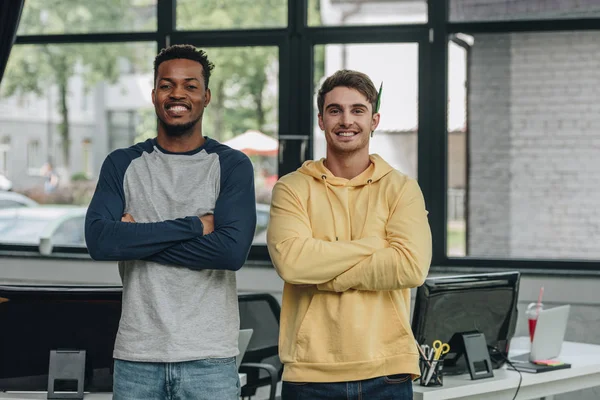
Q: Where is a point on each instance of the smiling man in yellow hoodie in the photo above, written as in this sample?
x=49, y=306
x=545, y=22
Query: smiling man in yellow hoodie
x=349, y=235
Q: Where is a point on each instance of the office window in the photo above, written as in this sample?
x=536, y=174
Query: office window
x=231, y=14
x=532, y=140
x=360, y=12
x=512, y=10
x=396, y=65
x=51, y=130
x=457, y=145
x=243, y=113
x=43, y=17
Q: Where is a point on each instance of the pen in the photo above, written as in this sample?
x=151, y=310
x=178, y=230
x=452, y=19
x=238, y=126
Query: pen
x=425, y=358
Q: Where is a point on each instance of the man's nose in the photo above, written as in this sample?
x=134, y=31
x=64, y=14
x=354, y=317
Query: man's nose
x=346, y=119
x=176, y=93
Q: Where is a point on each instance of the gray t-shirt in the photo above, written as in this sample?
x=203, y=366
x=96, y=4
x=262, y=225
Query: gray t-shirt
x=179, y=287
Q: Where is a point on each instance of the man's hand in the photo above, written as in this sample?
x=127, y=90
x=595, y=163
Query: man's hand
x=208, y=221
x=127, y=218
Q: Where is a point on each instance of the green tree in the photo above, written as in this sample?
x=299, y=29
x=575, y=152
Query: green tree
x=36, y=68
x=314, y=19
x=244, y=83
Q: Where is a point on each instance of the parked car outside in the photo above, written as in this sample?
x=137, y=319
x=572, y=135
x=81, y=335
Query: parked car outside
x=5, y=183
x=15, y=200
x=49, y=226
x=44, y=226
x=262, y=220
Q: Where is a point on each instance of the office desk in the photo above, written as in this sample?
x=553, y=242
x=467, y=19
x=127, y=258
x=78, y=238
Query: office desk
x=86, y=396
x=584, y=373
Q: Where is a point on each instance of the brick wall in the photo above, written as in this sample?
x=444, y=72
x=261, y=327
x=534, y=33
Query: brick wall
x=496, y=10
x=490, y=147
x=535, y=141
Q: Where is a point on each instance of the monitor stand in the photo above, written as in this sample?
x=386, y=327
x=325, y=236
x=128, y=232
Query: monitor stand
x=67, y=367
x=476, y=355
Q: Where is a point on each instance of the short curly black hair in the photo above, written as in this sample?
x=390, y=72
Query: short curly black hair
x=186, y=51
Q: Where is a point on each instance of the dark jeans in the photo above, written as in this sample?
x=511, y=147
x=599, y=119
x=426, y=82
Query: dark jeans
x=393, y=387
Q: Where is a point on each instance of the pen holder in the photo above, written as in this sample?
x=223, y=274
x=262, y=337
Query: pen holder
x=431, y=378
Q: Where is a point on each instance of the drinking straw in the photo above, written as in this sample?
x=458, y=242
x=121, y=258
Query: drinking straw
x=539, y=302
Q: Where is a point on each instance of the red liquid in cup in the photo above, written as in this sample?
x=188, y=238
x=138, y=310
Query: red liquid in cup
x=532, y=323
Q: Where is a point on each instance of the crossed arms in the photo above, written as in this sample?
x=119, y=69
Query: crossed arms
x=400, y=260
x=184, y=241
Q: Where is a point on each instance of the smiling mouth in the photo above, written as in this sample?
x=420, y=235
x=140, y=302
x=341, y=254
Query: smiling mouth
x=176, y=109
x=346, y=133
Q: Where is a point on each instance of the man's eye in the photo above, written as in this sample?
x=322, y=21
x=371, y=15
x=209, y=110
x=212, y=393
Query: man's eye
x=192, y=87
x=334, y=111
x=164, y=86
x=359, y=111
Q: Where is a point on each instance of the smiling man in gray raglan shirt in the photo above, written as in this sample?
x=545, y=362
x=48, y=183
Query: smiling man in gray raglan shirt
x=178, y=213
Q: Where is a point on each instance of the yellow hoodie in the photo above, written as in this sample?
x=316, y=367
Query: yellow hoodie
x=348, y=251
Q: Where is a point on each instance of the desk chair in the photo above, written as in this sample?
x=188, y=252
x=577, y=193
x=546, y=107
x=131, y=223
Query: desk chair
x=261, y=364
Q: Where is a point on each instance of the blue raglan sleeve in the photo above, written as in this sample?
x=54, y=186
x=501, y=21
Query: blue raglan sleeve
x=109, y=239
x=227, y=247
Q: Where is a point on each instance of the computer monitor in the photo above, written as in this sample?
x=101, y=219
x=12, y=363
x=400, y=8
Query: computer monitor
x=479, y=302
x=37, y=319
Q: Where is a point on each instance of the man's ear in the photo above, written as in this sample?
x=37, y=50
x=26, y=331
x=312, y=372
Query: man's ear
x=321, y=125
x=375, y=121
x=208, y=97
x=153, y=97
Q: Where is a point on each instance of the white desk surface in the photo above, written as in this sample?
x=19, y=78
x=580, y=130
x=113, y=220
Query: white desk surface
x=584, y=373
x=86, y=396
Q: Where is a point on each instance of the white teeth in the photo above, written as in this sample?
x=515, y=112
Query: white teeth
x=346, y=134
x=177, y=109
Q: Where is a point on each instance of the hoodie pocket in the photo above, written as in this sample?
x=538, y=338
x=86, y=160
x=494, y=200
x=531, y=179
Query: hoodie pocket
x=303, y=335
x=354, y=326
x=400, y=314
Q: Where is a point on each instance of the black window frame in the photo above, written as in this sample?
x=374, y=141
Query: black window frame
x=438, y=220
x=296, y=44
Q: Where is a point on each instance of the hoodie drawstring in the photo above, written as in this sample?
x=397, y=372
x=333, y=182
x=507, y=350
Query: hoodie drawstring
x=324, y=178
x=362, y=232
x=369, y=182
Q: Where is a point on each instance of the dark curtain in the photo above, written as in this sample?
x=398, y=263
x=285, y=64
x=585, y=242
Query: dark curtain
x=10, y=13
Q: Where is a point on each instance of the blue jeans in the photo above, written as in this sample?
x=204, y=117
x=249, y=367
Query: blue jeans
x=393, y=387
x=209, y=379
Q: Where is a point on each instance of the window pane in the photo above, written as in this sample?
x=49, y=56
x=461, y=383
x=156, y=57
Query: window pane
x=511, y=10
x=396, y=65
x=457, y=146
x=231, y=14
x=87, y=16
x=533, y=139
x=55, y=107
x=243, y=114
x=360, y=12
x=106, y=93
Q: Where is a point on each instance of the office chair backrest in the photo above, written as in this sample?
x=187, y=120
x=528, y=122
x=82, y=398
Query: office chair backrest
x=260, y=312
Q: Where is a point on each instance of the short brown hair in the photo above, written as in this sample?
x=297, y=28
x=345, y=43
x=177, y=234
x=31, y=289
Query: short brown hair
x=350, y=79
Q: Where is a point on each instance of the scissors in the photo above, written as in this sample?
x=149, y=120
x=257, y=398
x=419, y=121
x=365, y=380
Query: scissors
x=438, y=348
